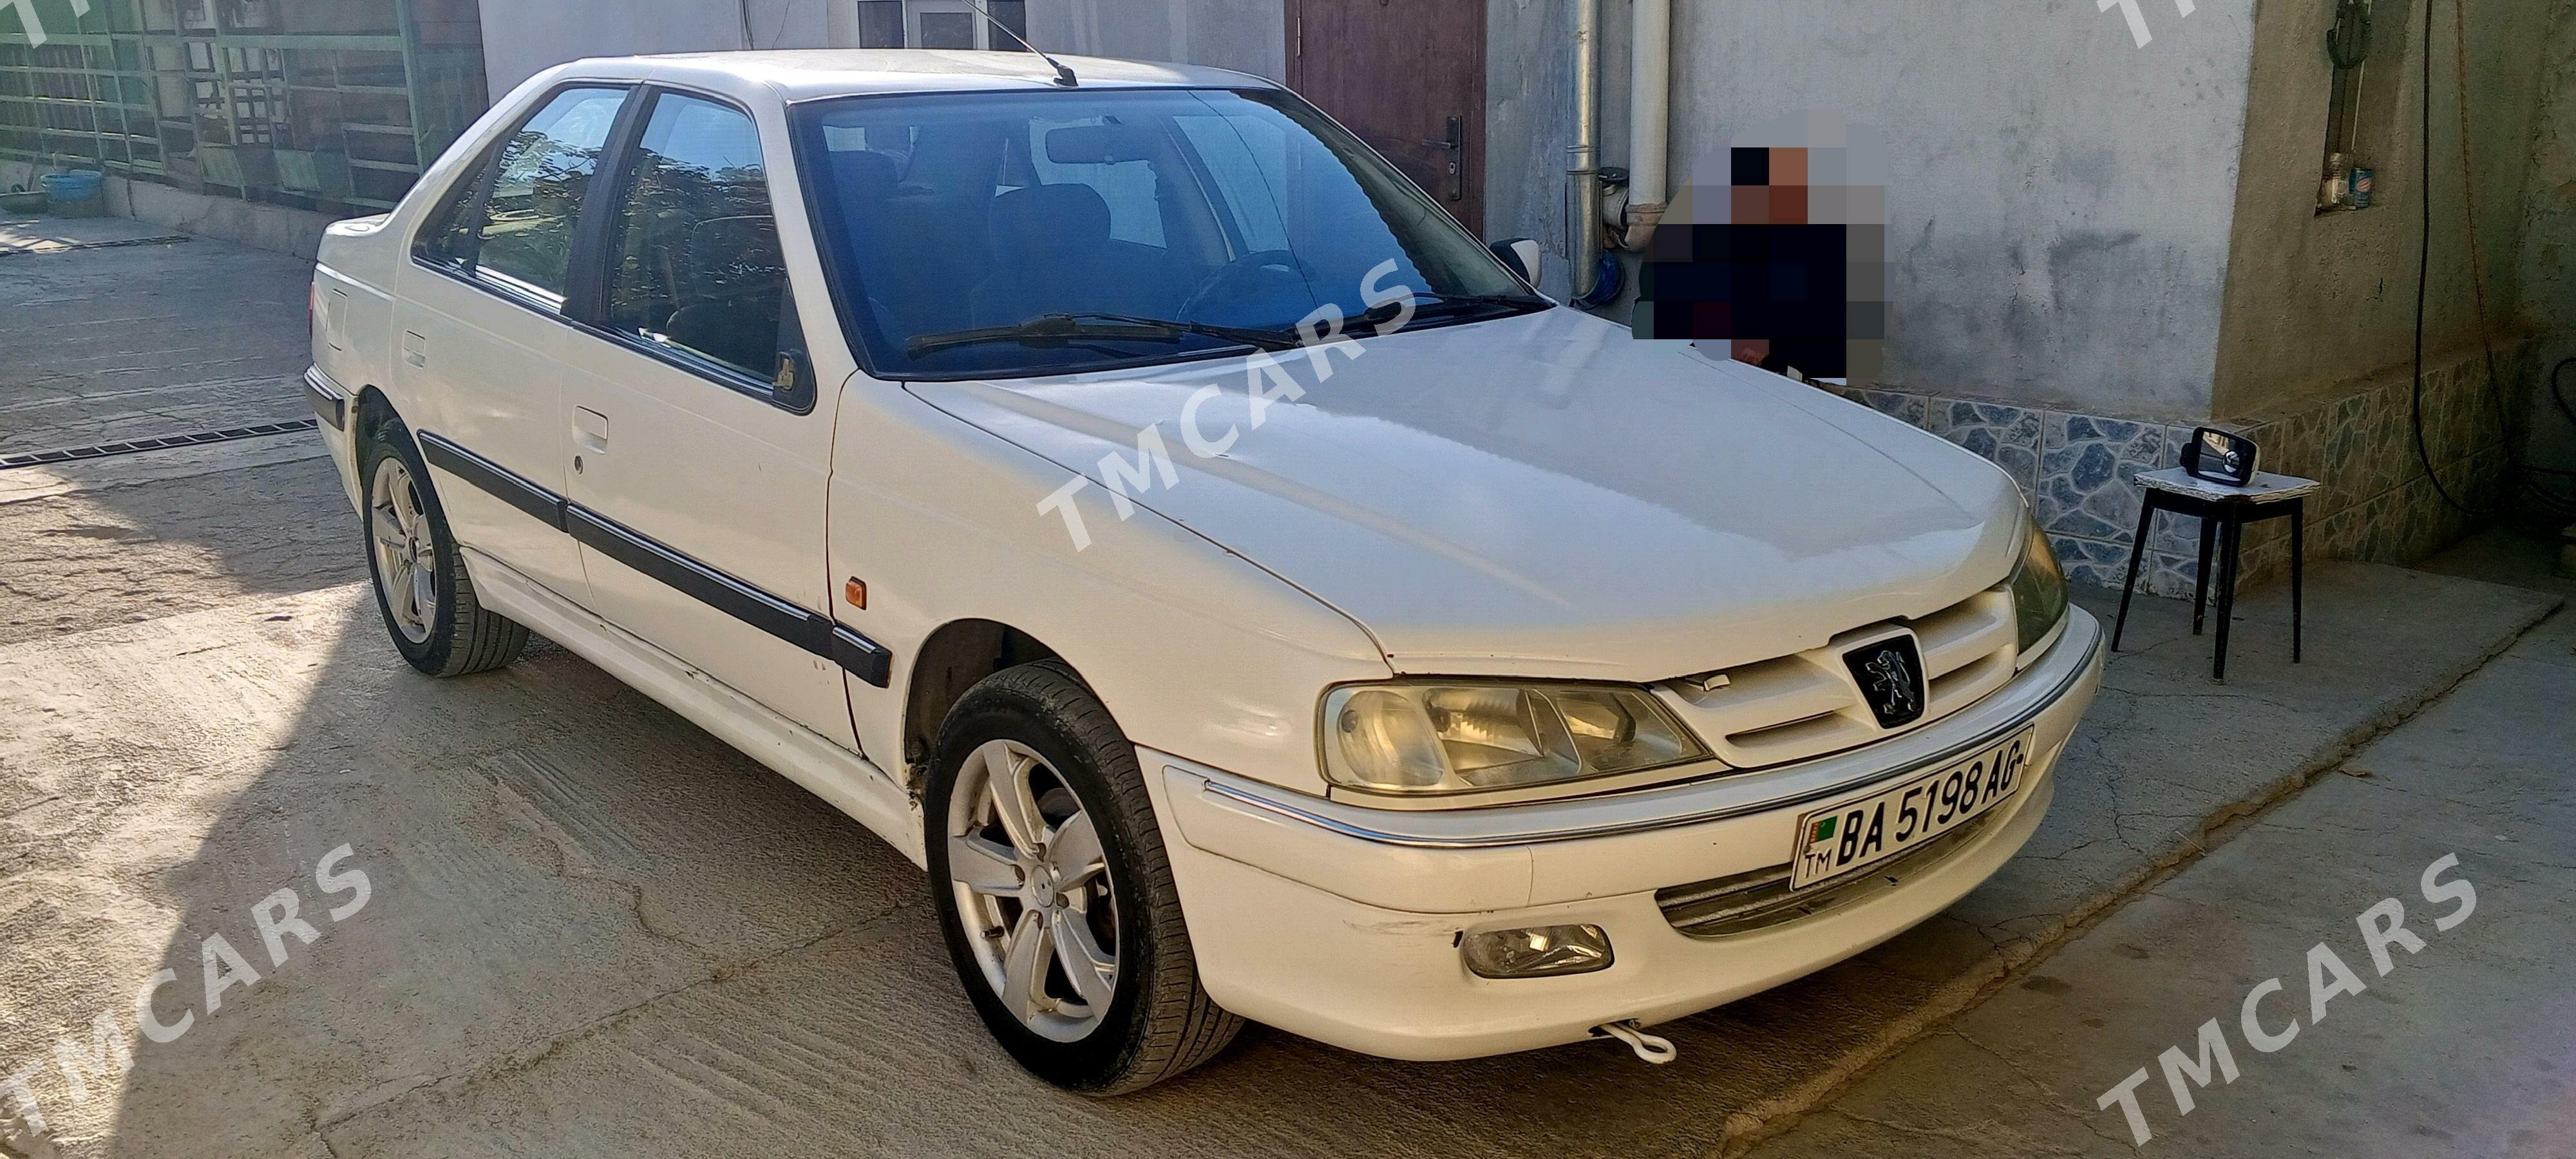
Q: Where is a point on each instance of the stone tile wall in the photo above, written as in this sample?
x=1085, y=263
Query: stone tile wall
x=2080, y=470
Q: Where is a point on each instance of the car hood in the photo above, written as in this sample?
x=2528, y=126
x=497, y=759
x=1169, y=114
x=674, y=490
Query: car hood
x=1537, y=496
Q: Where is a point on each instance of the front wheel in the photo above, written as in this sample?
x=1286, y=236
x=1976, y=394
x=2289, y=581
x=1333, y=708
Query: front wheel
x=1054, y=891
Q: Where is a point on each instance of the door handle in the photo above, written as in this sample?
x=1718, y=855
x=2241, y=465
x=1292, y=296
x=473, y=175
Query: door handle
x=590, y=430
x=1456, y=145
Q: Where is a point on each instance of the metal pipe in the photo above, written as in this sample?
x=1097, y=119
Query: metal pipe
x=1585, y=245
x=1650, y=114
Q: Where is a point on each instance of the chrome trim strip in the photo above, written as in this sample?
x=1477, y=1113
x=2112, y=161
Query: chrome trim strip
x=1780, y=906
x=1784, y=801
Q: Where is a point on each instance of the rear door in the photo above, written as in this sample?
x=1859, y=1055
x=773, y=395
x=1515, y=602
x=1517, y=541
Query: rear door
x=697, y=481
x=1409, y=79
x=479, y=325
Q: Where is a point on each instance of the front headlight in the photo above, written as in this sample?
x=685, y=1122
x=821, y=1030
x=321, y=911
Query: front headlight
x=1428, y=738
x=2038, y=591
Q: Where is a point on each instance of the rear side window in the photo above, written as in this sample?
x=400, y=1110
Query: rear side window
x=696, y=269
x=512, y=225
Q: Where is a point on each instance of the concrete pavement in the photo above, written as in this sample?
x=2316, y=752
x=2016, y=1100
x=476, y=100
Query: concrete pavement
x=2466, y=1047
x=589, y=929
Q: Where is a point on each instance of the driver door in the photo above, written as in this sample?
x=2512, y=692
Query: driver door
x=701, y=447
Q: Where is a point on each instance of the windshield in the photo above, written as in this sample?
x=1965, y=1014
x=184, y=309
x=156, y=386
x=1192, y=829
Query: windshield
x=978, y=235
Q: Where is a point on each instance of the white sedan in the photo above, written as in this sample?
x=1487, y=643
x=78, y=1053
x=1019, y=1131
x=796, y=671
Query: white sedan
x=1125, y=493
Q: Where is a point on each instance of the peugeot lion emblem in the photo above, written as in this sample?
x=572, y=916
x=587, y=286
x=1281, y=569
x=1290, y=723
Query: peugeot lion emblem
x=1890, y=673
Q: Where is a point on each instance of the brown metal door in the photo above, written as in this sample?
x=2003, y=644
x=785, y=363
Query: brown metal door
x=1408, y=76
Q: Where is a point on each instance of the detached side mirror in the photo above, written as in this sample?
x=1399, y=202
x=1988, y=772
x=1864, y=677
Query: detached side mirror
x=1521, y=255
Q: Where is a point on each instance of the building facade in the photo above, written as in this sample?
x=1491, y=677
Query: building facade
x=332, y=106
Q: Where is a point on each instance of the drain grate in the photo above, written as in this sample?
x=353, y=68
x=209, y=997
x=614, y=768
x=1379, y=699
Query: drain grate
x=51, y=246
x=165, y=442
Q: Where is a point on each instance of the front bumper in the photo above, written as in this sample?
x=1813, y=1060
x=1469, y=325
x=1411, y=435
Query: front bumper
x=1342, y=923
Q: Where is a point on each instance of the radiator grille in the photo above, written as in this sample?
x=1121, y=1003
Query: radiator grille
x=1796, y=707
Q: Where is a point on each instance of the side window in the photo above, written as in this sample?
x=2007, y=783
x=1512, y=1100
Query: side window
x=446, y=238
x=525, y=241
x=697, y=267
x=512, y=223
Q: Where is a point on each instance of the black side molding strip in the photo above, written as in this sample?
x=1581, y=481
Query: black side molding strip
x=329, y=405
x=702, y=583
x=811, y=631
x=500, y=482
x=862, y=657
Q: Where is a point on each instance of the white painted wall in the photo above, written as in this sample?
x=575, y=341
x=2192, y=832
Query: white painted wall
x=1244, y=35
x=2059, y=208
x=521, y=39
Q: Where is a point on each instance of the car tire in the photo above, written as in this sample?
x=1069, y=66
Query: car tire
x=996, y=882
x=413, y=561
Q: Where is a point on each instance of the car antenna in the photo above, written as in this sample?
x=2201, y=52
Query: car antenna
x=1063, y=76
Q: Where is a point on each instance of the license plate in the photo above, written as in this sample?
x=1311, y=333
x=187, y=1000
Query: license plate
x=1849, y=836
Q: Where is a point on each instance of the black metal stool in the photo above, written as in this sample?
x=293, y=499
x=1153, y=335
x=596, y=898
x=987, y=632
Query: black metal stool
x=2223, y=510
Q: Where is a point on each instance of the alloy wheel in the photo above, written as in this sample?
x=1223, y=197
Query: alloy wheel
x=1033, y=890
x=406, y=551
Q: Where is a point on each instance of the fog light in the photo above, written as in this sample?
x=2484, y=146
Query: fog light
x=1539, y=952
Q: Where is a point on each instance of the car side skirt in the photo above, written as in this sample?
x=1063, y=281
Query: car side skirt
x=846, y=780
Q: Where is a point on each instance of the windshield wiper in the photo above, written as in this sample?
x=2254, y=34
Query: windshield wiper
x=1092, y=324
x=1426, y=302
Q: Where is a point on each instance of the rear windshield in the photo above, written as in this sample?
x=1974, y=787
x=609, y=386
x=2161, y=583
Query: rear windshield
x=952, y=213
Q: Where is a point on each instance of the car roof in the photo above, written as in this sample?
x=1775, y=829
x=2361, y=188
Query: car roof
x=807, y=74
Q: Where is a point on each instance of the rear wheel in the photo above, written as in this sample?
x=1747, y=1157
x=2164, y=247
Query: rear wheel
x=421, y=586
x=1054, y=892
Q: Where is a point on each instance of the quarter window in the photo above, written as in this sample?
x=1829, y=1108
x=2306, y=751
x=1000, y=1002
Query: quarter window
x=697, y=270
x=447, y=239
x=512, y=225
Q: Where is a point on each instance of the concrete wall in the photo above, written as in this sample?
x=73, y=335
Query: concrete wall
x=277, y=228
x=2319, y=303
x=2547, y=264
x=1529, y=122
x=2058, y=230
x=1244, y=35
x=283, y=229
x=524, y=37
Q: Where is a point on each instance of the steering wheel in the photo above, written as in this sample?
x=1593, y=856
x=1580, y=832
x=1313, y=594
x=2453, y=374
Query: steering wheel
x=1255, y=277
